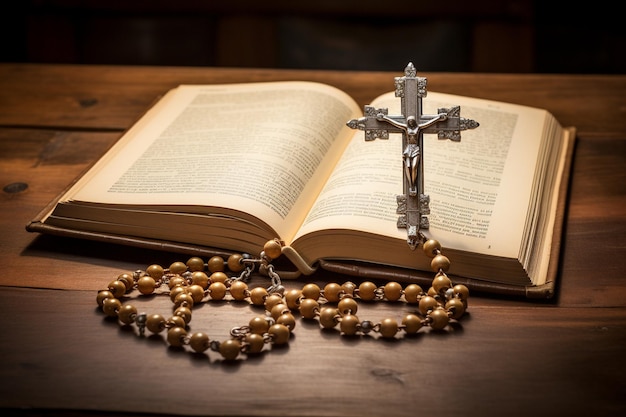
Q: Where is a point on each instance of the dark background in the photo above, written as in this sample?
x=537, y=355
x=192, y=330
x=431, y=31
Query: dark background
x=516, y=36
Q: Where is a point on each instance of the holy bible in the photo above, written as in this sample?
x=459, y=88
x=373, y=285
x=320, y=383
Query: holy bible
x=214, y=169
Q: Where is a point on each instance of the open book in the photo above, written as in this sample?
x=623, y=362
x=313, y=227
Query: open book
x=232, y=166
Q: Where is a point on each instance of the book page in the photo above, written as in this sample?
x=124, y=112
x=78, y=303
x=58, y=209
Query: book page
x=479, y=187
x=263, y=148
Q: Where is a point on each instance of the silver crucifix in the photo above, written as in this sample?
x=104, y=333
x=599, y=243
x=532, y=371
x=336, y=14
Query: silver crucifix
x=413, y=206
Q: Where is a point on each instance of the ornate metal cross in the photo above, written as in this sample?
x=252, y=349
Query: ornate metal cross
x=413, y=206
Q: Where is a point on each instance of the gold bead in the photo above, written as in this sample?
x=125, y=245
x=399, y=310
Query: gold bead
x=367, y=291
x=200, y=278
x=199, y=342
x=195, y=264
x=278, y=310
x=311, y=291
x=292, y=298
x=272, y=300
x=392, y=291
x=218, y=276
x=103, y=295
x=388, y=328
x=229, y=349
x=176, y=321
x=183, y=300
x=177, y=281
x=347, y=305
x=287, y=319
x=279, y=334
x=457, y=307
x=441, y=282
x=118, y=288
x=176, y=291
x=217, y=290
x=155, y=323
x=349, y=324
x=309, y=308
x=127, y=314
x=146, y=285
x=175, y=336
x=258, y=325
x=196, y=292
x=348, y=288
x=411, y=323
x=439, y=319
x=155, y=271
x=238, y=290
x=216, y=264
x=128, y=280
x=432, y=292
x=258, y=295
x=178, y=268
x=255, y=343
x=328, y=317
x=427, y=303
x=461, y=291
x=431, y=248
x=412, y=292
x=440, y=263
x=110, y=306
x=332, y=290
x=183, y=312
x=272, y=249
x=235, y=263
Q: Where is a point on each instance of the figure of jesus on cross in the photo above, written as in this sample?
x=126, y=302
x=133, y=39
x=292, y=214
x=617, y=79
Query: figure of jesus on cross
x=413, y=206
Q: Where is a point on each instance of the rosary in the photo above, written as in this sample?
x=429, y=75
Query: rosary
x=333, y=306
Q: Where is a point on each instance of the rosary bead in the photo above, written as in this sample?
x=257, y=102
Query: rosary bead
x=279, y=334
x=309, y=308
x=388, y=328
x=110, y=306
x=392, y=291
x=215, y=264
x=272, y=249
x=155, y=271
x=427, y=303
x=287, y=320
x=441, y=283
x=332, y=291
x=217, y=290
x=412, y=292
x=457, y=307
x=258, y=295
x=229, y=349
x=311, y=291
x=439, y=319
x=176, y=291
x=176, y=321
x=177, y=281
x=200, y=278
x=128, y=281
x=146, y=285
x=127, y=314
x=259, y=325
x=218, y=276
x=199, y=342
x=103, y=295
x=175, y=336
x=255, y=343
x=432, y=292
x=238, y=290
x=348, y=288
x=278, y=310
x=328, y=317
x=235, y=263
x=292, y=298
x=118, y=288
x=440, y=263
x=431, y=248
x=411, y=323
x=196, y=292
x=155, y=323
x=183, y=300
x=195, y=264
x=273, y=300
x=349, y=324
x=461, y=291
x=367, y=291
x=178, y=268
x=347, y=305
x=183, y=312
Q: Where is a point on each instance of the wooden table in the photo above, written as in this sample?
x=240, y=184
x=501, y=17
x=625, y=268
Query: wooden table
x=513, y=357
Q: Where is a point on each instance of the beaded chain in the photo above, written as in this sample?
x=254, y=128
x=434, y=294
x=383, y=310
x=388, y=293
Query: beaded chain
x=194, y=282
